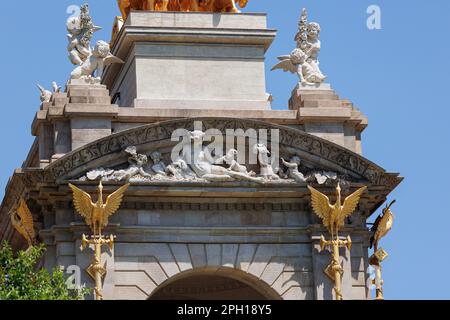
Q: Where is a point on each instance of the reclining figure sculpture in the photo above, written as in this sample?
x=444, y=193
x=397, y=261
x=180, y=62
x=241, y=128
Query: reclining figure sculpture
x=217, y=6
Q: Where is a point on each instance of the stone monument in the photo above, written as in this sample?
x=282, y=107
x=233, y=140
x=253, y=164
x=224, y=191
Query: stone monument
x=218, y=205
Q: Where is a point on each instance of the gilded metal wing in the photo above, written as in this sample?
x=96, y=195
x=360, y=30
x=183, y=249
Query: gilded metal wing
x=350, y=204
x=321, y=206
x=22, y=221
x=113, y=202
x=385, y=225
x=285, y=64
x=83, y=204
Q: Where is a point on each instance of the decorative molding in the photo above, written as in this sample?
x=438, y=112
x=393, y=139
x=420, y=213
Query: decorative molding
x=76, y=162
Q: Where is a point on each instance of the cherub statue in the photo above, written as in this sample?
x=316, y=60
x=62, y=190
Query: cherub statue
x=323, y=177
x=137, y=163
x=179, y=169
x=81, y=30
x=233, y=165
x=204, y=167
x=304, y=59
x=293, y=171
x=92, y=68
x=158, y=165
x=46, y=95
x=267, y=171
x=55, y=87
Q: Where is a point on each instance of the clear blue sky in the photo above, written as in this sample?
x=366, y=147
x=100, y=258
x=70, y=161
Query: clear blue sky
x=397, y=76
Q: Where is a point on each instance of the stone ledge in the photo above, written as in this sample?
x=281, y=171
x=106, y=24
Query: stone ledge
x=197, y=20
x=172, y=104
x=243, y=235
x=90, y=99
x=55, y=112
x=87, y=91
x=324, y=114
x=90, y=110
x=158, y=114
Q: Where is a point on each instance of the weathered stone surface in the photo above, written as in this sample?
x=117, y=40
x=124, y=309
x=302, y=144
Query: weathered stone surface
x=229, y=255
x=85, y=131
x=273, y=270
x=245, y=256
x=198, y=255
x=129, y=293
x=214, y=255
x=299, y=293
x=65, y=249
x=182, y=256
x=161, y=252
x=158, y=61
x=287, y=280
x=149, y=265
x=139, y=279
x=325, y=115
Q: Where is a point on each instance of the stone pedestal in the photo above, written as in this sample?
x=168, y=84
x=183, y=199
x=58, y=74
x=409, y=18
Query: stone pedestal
x=322, y=113
x=90, y=112
x=177, y=60
x=72, y=119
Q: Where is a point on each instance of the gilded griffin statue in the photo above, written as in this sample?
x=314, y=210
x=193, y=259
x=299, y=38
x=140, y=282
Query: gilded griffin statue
x=333, y=216
x=97, y=214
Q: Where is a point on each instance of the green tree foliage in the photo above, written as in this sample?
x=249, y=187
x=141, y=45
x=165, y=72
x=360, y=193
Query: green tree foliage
x=21, y=280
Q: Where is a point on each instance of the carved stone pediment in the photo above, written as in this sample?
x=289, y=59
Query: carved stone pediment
x=315, y=153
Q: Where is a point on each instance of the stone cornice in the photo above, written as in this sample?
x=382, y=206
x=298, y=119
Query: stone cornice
x=185, y=234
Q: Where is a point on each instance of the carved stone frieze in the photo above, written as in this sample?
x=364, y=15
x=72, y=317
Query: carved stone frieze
x=80, y=161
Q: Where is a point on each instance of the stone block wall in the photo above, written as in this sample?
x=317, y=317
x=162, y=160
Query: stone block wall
x=273, y=247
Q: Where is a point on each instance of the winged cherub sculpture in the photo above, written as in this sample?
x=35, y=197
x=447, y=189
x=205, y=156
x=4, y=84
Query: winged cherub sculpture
x=97, y=214
x=92, y=68
x=45, y=95
x=81, y=30
x=304, y=60
x=333, y=216
x=22, y=221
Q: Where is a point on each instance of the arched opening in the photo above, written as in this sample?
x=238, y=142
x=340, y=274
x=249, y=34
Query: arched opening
x=205, y=285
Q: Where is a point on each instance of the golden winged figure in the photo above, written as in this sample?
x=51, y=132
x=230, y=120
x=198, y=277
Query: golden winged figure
x=382, y=226
x=97, y=214
x=333, y=216
x=22, y=221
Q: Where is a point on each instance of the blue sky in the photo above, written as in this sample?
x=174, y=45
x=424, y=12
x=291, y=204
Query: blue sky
x=397, y=76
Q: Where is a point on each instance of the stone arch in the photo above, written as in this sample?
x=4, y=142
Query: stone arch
x=280, y=271
x=241, y=283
